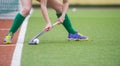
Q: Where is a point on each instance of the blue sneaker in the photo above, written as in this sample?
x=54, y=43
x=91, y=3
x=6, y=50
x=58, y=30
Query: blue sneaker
x=8, y=39
x=77, y=36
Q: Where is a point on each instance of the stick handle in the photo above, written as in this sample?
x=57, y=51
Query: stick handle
x=55, y=23
x=41, y=33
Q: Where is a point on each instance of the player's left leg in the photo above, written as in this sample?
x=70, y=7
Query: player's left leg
x=26, y=7
x=57, y=6
x=73, y=34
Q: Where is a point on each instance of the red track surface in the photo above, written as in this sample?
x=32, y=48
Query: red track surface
x=6, y=51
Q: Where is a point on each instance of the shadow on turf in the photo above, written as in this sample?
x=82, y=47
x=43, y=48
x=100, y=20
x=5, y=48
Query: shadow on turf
x=63, y=42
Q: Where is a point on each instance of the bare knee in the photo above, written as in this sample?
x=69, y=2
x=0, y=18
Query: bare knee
x=25, y=11
x=58, y=9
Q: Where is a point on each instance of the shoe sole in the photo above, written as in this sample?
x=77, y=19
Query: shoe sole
x=77, y=39
x=8, y=42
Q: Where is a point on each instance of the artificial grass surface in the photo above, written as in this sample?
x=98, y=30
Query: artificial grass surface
x=102, y=48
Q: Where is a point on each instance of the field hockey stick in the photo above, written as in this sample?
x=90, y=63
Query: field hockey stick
x=41, y=33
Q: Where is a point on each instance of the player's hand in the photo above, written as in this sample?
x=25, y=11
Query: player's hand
x=61, y=19
x=48, y=27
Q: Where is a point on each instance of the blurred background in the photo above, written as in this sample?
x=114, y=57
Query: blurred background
x=13, y=5
x=88, y=3
x=100, y=23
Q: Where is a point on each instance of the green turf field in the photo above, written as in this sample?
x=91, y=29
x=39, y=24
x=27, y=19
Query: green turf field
x=102, y=49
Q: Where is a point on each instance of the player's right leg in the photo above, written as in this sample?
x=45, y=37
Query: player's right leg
x=18, y=20
x=73, y=34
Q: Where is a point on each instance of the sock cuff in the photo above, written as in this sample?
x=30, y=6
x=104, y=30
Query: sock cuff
x=19, y=15
x=18, y=20
x=58, y=14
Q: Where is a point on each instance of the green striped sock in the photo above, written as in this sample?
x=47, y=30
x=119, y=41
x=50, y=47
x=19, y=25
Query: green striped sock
x=67, y=24
x=16, y=23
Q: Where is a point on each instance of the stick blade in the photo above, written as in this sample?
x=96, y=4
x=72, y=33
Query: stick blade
x=32, y=42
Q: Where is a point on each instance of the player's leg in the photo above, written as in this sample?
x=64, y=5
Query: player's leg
x=18, y=20
x=26, y=7
x=73, y=34
x=57, y=6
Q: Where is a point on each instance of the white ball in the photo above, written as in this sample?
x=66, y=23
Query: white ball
x=36, y=41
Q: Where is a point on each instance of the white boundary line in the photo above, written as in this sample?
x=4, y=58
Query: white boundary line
x=16, y=59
